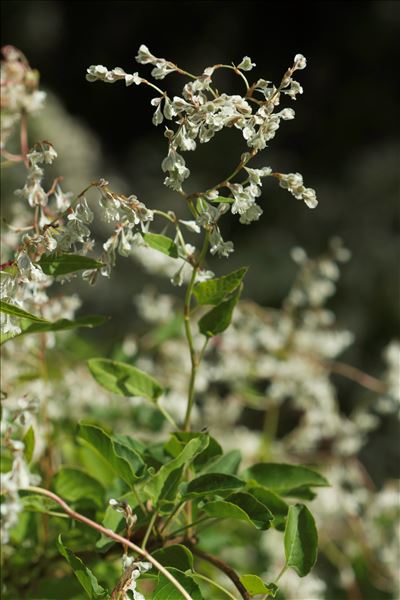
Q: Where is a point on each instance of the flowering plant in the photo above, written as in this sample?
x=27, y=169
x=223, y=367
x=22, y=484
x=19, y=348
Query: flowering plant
x=160, y=493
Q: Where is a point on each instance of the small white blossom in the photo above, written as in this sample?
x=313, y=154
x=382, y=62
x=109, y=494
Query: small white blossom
x=300, y=62
x=246, y=64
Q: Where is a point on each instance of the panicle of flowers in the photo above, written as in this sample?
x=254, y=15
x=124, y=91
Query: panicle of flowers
x=202, y=111
x=19, y=91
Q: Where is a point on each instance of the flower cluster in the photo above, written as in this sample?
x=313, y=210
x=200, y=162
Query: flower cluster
x=19, y=91
x=17, y=414
x=202, y=111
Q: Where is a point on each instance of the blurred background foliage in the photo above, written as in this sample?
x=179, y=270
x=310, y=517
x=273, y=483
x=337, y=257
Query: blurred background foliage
x=344, y=142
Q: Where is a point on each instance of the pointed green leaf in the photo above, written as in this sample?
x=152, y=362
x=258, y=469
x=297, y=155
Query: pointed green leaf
x=16, y=311
x=274, y=503
x=122, y=460
x=154, y=487
x=41, y=504
x=241, y=506
x=62, y=264
x=84, y=575
x=75, y=484
x=28, y=326
x=166, y=499
x=227, y=463
x=124, y=379
x=214, y=291
x=179, y=439
x=219, y=318
x=29, y=443
x=176, y=556
x=254, y=585
x=162, y=243
x=212, y=483
x=284, y=478
x=165, y=590
x=300, y=540
x=65, y=324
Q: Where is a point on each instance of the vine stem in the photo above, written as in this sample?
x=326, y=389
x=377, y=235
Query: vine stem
x=222, y=566
x=114, y=536
x=149, y=529
x=217, y=585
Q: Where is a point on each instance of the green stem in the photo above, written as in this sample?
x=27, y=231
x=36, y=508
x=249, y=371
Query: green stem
x=189, y=526
x=281, y=573
x=239, y=167
x=140, y=503
x=149, y=529
x=171, y=515
x=164, y=214
x=217, y=585
x=166, y=414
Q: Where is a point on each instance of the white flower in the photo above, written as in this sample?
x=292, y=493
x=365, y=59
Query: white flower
x=144, y=55
x=218, y=246
x=191, y=225
x=134, y=78
x=300, y=62
x=246, y=64
x=253, y=213
x=293, y=182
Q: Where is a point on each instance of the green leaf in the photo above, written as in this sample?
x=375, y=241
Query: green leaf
x=15, y=311
x=122, y=460
x=62, y=264
x=214, y=291
x=84, y=575
x=241, y=506
x=218, y=319
x=124, y=379
x=29, y=442
x=227, y=463
x=165, y=590
x=154, y=487
x=74, y=484
x=167, y=496
x=254, y=585
x=284, y=478
x=179, y=439
x=176, y=556
x=40, y=504
x=162, y=243
x=212, y=483
x=300, y=540
x=65, y=324
x=220, y=199
x=274, y=503
x=27, y=326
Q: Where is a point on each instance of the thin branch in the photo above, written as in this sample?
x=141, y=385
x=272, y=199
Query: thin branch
x=111, y=534
x=222, y=566
x=363, y=379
